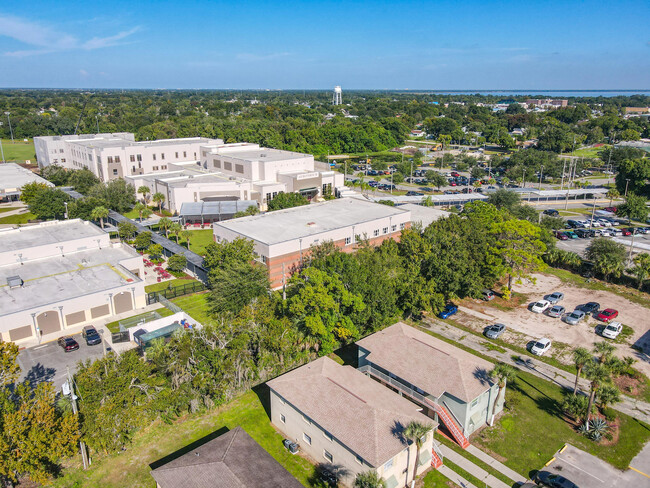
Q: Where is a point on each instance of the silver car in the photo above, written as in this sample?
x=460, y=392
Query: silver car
x=494, y=331
x=554, y=297
x=555, y=311
x=574, y=317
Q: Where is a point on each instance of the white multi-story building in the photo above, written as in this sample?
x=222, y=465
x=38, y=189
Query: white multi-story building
x=60, y=275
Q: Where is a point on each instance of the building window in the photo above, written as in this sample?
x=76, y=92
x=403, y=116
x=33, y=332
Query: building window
x=63, y=160
x=239, y=168
x=176, y=155
x=154, y=168
x=164, y=166
x=401, y=226
x=348, y=240
x=327, y=455
x=110, y=159
x=184, y=154
x=132, y=158
x=139, y=157
x=154, y=157
x=328, y=436
x=385, y=231
x=162, y=155
x=393, y=228
x=283, y=419
x=114, y=172
x=306, y=420
x=375, y=232
x=359, y=460
x=217, y=163
x=265, y=259
x=474, y=403
x=307, y=438
x=227, y=166
x=117, y=159
x=388, y=465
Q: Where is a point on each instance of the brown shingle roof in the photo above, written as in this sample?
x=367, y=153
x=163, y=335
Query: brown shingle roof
x=360, y=413
x=232, y=460
x=428, y=363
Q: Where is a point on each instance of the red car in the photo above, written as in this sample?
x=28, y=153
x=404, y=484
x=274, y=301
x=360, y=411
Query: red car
x=626, y=232
x=561, y=235
x=68, y=343
x=607, y=314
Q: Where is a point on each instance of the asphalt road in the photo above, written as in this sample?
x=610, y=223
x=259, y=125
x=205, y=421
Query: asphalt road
x=48, y=362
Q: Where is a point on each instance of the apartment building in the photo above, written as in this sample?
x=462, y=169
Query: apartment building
x=64, y=274
x=349, y=422
x=283, y=238
x=546, y=103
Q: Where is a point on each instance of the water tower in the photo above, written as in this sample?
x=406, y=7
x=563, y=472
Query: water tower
x=337, y=98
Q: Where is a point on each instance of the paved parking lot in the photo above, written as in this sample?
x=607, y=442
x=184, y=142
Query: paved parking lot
x=48, y=362
x=641, y=243
x=587, y=471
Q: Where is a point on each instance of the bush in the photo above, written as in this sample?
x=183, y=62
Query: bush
x=143, y=240
x=155, y=251
x=575, y=405
x=176, y=263
x=609, y=413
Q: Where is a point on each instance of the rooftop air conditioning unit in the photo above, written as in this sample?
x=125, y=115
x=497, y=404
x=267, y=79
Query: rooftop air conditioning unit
x=14, y=282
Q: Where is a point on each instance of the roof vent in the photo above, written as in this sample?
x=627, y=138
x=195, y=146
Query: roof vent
x=311, y=224
x=14, y=282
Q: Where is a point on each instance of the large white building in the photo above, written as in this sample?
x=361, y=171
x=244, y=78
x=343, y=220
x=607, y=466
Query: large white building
x=64, y=274
x=13, y=177
x=192, y=169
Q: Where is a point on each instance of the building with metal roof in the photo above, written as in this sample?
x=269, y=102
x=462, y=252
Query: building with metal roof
x=208, y=212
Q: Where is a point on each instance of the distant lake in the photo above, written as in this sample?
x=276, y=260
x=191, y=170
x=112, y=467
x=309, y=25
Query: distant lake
x=544, y=93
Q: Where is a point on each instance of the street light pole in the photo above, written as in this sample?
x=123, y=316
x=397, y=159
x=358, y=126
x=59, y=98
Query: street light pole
x=629, y=257
x=11, y=131
x=66, y=210
x=2, y=152
x=73, y=400
x=541, y=172
x=627, y=182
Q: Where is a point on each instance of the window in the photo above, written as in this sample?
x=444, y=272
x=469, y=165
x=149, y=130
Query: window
x=239, y=168
x=283, y=419
x=217, y=163
x=184, y=154
x=164, y=166
x=110, y=159
x=388, y=465
x=63, y=160
x=117, y=159
x=393, y=228
x=307, y=438
x=348, y=240
x=359, y=460
x=474, y=403
x=328, y=436
x=385, y=230
x=139, y=157
x=375, y=232
x=162, y=155
x=306, y=420
x=132, y=158
x=401, y=226
x=155, y=168
x=327, y=455
x=268, y=197
x=265, y=259
x=176, y=155
x=114, y=172
x=227, y=166
x=153, y=157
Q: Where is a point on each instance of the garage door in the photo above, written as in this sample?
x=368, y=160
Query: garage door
x=20, y=333
x=49, y=322
x=123, y=302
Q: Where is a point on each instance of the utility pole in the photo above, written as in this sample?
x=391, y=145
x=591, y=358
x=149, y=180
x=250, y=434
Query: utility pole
x=629, y=257
x=11, y=131
x=541, y=172
x=593, y=212
x=73, y=401
x=2, y=152
x=627, y=182
x=563, y=170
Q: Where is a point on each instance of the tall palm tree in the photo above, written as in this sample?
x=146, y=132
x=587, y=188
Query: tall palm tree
x=604, y=351
x=503, y=373
x=641, y=268
x=158, y=198
x=175, y=229
x=165, y=224
x=581, y=356
x=415, y=431
x=99, y=213
x=144, y=191
x=369, y=479
x=598, y=374
x=186, y=235
x=140, y=208
x=612, y=193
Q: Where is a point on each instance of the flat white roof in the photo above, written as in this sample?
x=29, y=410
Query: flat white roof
x=308, y=220
x=13, y=177
x=47, y=233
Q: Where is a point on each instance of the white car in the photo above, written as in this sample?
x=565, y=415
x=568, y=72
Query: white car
x=594, y=223
x=541, y=346
x=604, y=222
x=612, y=330
x=540, y=306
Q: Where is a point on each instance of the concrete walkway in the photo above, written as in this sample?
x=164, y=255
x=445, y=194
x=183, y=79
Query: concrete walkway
x=634, y=408
x=470, y=467
x=456, y=478
x=500, y=467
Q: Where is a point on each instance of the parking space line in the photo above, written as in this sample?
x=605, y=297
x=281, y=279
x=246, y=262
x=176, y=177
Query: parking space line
x=640, y=472
x=578, y=467
x=39, y=347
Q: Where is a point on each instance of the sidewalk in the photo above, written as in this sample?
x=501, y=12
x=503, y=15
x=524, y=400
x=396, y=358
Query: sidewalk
x=500, y=467
x=471, y=468
x=634, y=408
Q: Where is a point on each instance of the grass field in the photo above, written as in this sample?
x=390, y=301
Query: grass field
x=588, y=152
x=131, y=467
x=435, y=479
x=167, y=284
x=6, y=209
x=19, y=151
x=17, y=219
x=534, y=419
x=197, y=306
x=200, y=240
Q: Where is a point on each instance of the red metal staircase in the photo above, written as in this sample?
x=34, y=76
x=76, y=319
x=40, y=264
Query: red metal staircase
x=436, y=462
x=451, y=425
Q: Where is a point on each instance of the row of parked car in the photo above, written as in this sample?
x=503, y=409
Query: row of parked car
x=581, y=233
x=89, y=333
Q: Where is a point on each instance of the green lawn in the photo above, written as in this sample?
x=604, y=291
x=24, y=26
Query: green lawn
x=197, y=306
x=588, y=152
x=200, y=240
x=19, y=151
x=534, y=420
x=435, y=479
x=7, y=209
x=167, y=284
x=131, y=467
x=17, y=219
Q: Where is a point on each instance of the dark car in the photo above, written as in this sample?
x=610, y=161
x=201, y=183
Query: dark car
x=291, y=446
x=590, y=308
x=494, y=331
x=552, y=212
x=562, y=236
x=68, y=343
x=91, y=335
x=414, y=194
x=448, y=311
x=554, y=480
x=582, y=233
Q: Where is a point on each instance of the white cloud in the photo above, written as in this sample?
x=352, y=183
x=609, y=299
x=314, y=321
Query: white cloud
x=46, y=39
x=83, y=72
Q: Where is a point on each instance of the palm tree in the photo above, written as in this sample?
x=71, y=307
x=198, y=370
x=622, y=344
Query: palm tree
x=158, y=198
x=140, y=208
x=503, y=374
x=608, y=395
x=505, y=181
x=144, y=191
x=99, y=213
x=604, y=350
x=175, y=229
x=165, y=224
x=597, y=373
x=369, y=479
x=415, y=432
x=186, y=235
x=641, y=268
x=581, y=356
x=613, y=193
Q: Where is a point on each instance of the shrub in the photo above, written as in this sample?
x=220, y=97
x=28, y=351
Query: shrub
x=609, y=413
x=176, y=263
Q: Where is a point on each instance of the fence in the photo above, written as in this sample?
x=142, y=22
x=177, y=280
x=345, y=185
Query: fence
x=176, y=291
x=171, y=306
x=126, y=324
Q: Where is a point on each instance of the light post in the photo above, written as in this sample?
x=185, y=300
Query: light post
x=2, y=152
x=11, y=131
x=66, y=210
x=629, y=257
x=541, y=172
x=523, y=179
x=627, y=182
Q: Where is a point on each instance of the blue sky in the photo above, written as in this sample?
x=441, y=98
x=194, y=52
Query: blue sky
x=318, y=44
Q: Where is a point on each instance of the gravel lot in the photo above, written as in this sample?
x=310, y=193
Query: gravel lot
x=528, y=325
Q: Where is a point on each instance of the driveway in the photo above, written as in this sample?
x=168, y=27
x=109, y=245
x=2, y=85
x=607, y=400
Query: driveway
x=48, y=362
